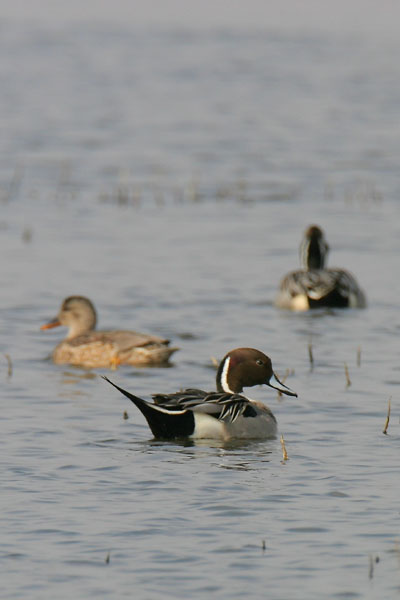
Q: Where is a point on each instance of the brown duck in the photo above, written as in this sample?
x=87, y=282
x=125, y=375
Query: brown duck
x=86, y=347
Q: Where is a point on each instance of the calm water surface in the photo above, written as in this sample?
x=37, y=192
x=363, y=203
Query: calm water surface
x=169, y=175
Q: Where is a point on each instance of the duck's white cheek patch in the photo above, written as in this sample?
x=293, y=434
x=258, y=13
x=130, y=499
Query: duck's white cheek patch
x=224, y=376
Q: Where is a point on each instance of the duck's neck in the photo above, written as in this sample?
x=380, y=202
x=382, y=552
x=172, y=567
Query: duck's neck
x=313, y=253
x=80, y=327
x=225, y=381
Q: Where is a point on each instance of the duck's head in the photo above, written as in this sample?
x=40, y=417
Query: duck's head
x=77, y=313
x=245, y=367
x=313, y=248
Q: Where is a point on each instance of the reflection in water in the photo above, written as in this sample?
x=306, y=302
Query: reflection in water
x=230, y=454
x=75, y=376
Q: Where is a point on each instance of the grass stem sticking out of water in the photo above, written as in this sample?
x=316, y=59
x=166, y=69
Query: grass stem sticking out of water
x=214, y=362
x=387, y=418
x=346, y=372
x=27, y=235
x=107, y=561
x=359, y=356
x=372, y=560
x=284, y=452
x=125, y=415
x=13, y=187
x=10, y=367
x=310, y=355
x=283, y=379
x=397, y=550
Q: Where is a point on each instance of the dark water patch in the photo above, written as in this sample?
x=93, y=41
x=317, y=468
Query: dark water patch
x=225, y=510
x=307, y=530
x=52, y=532
x=186, y=335
x=105, y=468
x=166, y=558
x=77, y=563
x=13, y=556
x=138, y=533
x=347, y=595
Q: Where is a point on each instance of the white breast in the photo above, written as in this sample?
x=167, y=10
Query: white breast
x=260, y=427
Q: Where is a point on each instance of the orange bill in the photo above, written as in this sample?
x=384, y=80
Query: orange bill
x=53, y=323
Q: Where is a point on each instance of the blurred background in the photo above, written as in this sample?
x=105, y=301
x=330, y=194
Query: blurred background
x=163, y=158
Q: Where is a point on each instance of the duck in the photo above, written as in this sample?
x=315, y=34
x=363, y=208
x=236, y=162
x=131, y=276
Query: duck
x=223, y=414
x=86, y=347
x=315, y=285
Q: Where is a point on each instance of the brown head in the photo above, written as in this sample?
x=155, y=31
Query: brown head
x=245, y=367
x=77, y=313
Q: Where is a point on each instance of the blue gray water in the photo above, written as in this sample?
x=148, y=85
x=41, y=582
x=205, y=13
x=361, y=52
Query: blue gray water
x=169, y=175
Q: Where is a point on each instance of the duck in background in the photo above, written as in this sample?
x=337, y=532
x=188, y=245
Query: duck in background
x=223, y=414
x=314, y=285
x=86, y=347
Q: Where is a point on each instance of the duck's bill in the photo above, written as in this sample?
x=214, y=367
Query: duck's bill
x=51, y=324
x=281, y=387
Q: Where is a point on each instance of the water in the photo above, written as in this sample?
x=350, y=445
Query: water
x=169, y=175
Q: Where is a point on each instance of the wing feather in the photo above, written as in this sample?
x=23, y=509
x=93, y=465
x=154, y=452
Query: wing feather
x=224, y=407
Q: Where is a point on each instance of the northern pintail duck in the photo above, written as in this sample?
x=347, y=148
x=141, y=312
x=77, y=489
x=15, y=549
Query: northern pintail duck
x=223, y=414
x=86, y=347
x=315, y=285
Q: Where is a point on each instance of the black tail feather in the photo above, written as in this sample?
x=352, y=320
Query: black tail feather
x=163, y=424
x=135, y=399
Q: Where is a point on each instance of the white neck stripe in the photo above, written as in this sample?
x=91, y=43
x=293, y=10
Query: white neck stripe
x=224, y=376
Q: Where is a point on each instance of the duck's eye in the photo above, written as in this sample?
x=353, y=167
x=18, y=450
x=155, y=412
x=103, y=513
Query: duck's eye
x=259, y=362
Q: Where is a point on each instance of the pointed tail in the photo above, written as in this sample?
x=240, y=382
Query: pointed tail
x=165, y=424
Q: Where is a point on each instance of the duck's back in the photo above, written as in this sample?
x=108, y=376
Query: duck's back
x=305, y=289
x=108, y=348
